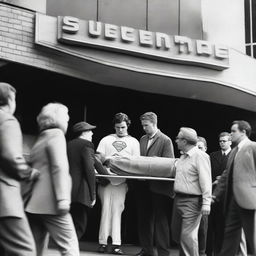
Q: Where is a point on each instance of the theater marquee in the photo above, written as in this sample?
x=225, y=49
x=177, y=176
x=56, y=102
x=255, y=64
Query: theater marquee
x=152, y=45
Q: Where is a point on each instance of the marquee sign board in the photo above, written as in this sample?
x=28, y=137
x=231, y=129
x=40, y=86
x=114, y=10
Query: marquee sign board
x=72, y=31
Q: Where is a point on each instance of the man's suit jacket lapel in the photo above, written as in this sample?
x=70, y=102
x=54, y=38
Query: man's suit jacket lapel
x=144, y=143
x=153, y=142
x=219, y=156
x=228, y=178
x=241, y=152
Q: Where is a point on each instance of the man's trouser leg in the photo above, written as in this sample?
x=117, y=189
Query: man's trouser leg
x=16, y=237
x=232, y=232
x=162, y=209
x=185, y=223
x=249, y=226
x=145, y=216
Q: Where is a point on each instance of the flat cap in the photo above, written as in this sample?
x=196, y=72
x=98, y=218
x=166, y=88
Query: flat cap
x=189, y=134
x=83, y=126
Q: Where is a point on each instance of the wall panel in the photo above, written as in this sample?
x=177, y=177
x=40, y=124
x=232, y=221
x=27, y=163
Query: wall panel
x=163, y=16
x=130, y=13
x=83, y=9
x=191, y=19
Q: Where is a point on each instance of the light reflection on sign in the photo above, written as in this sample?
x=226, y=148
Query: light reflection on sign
x=147, y=44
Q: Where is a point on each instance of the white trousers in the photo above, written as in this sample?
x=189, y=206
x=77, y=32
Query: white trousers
x=112, y=202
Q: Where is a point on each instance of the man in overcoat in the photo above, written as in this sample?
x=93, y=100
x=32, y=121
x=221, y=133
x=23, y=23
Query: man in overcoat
x=238, y=185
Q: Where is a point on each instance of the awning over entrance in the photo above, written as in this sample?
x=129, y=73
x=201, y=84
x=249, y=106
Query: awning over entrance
x=233, y=86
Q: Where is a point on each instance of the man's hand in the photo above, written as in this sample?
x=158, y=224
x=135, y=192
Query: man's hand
x=109, y=172
x=34, y=174
x=206, y=209
x=93, y=202
x=213, y=199
x=217, y=180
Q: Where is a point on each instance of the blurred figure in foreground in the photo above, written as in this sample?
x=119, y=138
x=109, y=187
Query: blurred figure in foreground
x=15, y=234
x=48, y=208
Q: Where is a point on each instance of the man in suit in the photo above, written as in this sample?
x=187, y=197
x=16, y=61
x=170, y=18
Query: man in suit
x=238, y=184
x=219, y=158
x=81, y=166
x=154, y=197
x=216, y=219
x=15, y=235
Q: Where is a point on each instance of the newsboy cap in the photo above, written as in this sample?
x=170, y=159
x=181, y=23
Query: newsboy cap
x=189, y=134
x=83, y=126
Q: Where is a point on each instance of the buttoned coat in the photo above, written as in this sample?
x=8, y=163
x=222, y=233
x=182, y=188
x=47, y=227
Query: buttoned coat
x=218, y=163
x=49, y=156
x=13, y=167
x=216, y=221
x=243, y=180
x=161, y=146
x=81, y=161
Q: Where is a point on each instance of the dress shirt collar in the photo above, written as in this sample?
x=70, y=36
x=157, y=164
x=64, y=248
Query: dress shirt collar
x=226, y=152
x=242, y=143
x=191, y=151
x=152, y=137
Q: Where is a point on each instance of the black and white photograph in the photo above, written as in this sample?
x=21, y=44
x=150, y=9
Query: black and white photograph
x=128, y=127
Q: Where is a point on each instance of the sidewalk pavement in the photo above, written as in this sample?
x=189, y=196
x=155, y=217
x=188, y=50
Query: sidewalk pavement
x=90, y=249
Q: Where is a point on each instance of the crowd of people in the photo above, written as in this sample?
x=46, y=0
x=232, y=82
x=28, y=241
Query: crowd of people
x=51, y=193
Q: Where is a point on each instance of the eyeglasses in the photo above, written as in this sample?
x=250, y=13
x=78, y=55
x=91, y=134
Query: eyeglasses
x=179, y=138
x=223, y=141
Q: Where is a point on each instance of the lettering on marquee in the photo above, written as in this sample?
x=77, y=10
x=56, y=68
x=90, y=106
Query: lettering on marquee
x=154, y=45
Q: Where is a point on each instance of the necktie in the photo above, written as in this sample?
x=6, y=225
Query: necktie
x=223, y=158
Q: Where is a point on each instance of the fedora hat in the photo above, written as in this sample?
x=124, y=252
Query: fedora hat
x=83, y=126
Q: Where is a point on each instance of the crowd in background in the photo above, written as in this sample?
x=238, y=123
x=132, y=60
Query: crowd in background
x=50, y=194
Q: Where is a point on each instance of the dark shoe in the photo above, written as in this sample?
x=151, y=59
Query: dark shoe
x=142, y=253
x=117, y=250
x=102, y=248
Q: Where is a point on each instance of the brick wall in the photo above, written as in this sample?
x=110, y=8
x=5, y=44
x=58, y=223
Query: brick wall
x=17, y=43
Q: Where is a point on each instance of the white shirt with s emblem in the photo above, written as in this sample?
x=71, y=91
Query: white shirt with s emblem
x=122, y=146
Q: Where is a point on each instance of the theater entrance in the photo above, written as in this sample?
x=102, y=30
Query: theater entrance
x=97, y=103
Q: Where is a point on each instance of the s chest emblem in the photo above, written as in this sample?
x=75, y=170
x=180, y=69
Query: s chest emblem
x=119, y=145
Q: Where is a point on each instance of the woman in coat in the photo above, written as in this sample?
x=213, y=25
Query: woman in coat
x=48, y=207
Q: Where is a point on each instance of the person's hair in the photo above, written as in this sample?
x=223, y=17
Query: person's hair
x=150, y=116
x=50, y=116
x=5, y=92
x=189, y=134
x=121, y=117
x=225, y=134
x=243, y=125
x=202, y=139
